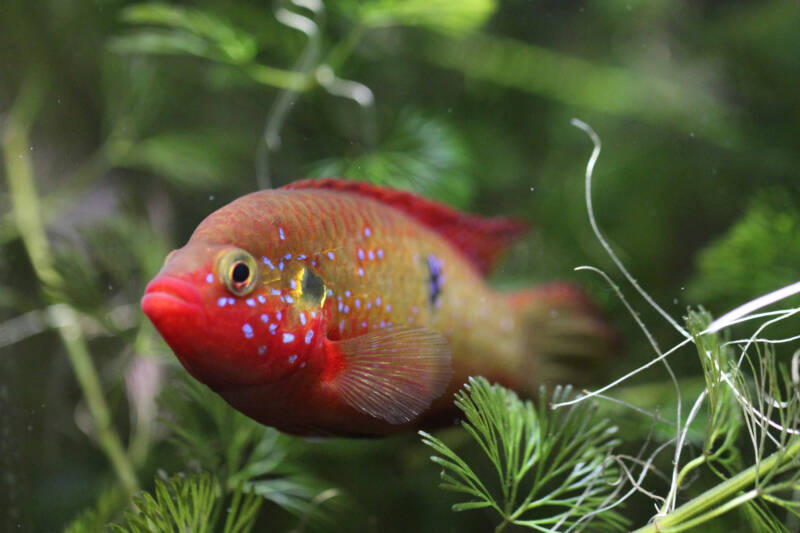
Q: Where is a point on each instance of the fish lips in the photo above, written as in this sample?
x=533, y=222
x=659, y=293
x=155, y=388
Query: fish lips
x=175, y=307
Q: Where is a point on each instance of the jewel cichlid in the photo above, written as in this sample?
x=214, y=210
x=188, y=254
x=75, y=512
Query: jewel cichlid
x=331, y=307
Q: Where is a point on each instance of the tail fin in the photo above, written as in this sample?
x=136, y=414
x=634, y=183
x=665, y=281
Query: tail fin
x=567, y=337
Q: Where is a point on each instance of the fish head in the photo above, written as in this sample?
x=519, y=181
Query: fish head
x=235, y=317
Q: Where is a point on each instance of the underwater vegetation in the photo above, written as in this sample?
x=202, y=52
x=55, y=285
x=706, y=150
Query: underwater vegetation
x=123, y=124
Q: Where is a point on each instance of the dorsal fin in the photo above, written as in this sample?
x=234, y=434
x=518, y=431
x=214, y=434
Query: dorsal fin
x=481, y=240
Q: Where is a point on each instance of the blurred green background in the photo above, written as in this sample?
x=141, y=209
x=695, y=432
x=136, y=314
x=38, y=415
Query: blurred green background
x=124, y=124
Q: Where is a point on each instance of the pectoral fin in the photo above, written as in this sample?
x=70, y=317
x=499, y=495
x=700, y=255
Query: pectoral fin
x=393, y=374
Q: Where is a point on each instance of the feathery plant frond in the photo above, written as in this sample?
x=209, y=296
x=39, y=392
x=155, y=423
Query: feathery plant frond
x=760, y=252
x=111, y=501
x=724, y=419
x=191, y=504
x=211, y=435
x=770, y=408
x=553, y=467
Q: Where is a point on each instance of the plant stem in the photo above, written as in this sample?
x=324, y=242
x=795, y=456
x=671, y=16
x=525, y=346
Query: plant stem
x=721, y=492
x=501, y=526
x=28, y=218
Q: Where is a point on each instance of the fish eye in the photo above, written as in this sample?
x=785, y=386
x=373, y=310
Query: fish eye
x=238, y=271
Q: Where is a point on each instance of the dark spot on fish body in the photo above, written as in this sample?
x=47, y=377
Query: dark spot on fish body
x=435, y=280
x=313, y=288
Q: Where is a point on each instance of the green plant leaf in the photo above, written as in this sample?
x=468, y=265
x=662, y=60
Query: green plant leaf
x=164, y=43
x=190, y=159
x=451, y=17
x=577, y=82
x=234, y=45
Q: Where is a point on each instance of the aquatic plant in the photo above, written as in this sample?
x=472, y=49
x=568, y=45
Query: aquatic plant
x=555, y=468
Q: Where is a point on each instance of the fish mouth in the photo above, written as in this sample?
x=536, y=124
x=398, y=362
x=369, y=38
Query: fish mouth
x=168, y=295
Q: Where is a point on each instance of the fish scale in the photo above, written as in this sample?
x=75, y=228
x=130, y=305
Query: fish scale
x=362, y=311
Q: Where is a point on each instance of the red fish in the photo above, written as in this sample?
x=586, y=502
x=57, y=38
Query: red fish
x=331, y=307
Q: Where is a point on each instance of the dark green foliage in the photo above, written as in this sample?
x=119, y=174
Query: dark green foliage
x=211, y=436
x=421, y=155
x=759, y=254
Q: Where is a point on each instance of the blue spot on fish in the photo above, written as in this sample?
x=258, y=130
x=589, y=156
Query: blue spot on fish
x=367, y=232
x=231, y=301
x=262, y=350
x=371, y=255
x=281, y=234
x=360, y=271
x=278, y=315
x=361, y=254
x=330, y=256
x=301, y=257
x=378, y=301
x=288, y=337
x=251, y=302
x=288, y=257
x=265, y=318
x=303, y=318
x=261, y=299
x=210, y=278
x=380, y=253
x=293, y=284
x=388, y=307
x=267, y=262
x=292, y=358
x=275, y=292
x=247, y=329
x=435, y=279
x=272, y=328
x=289, y=299
x=358, y=303
x=309, y=336
x=280, y=266
x=347, y=294
x=222, y=301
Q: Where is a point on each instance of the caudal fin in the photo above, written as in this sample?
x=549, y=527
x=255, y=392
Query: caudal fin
x=568, y=340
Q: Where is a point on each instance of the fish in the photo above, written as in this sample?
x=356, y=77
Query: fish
x=331, y=307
